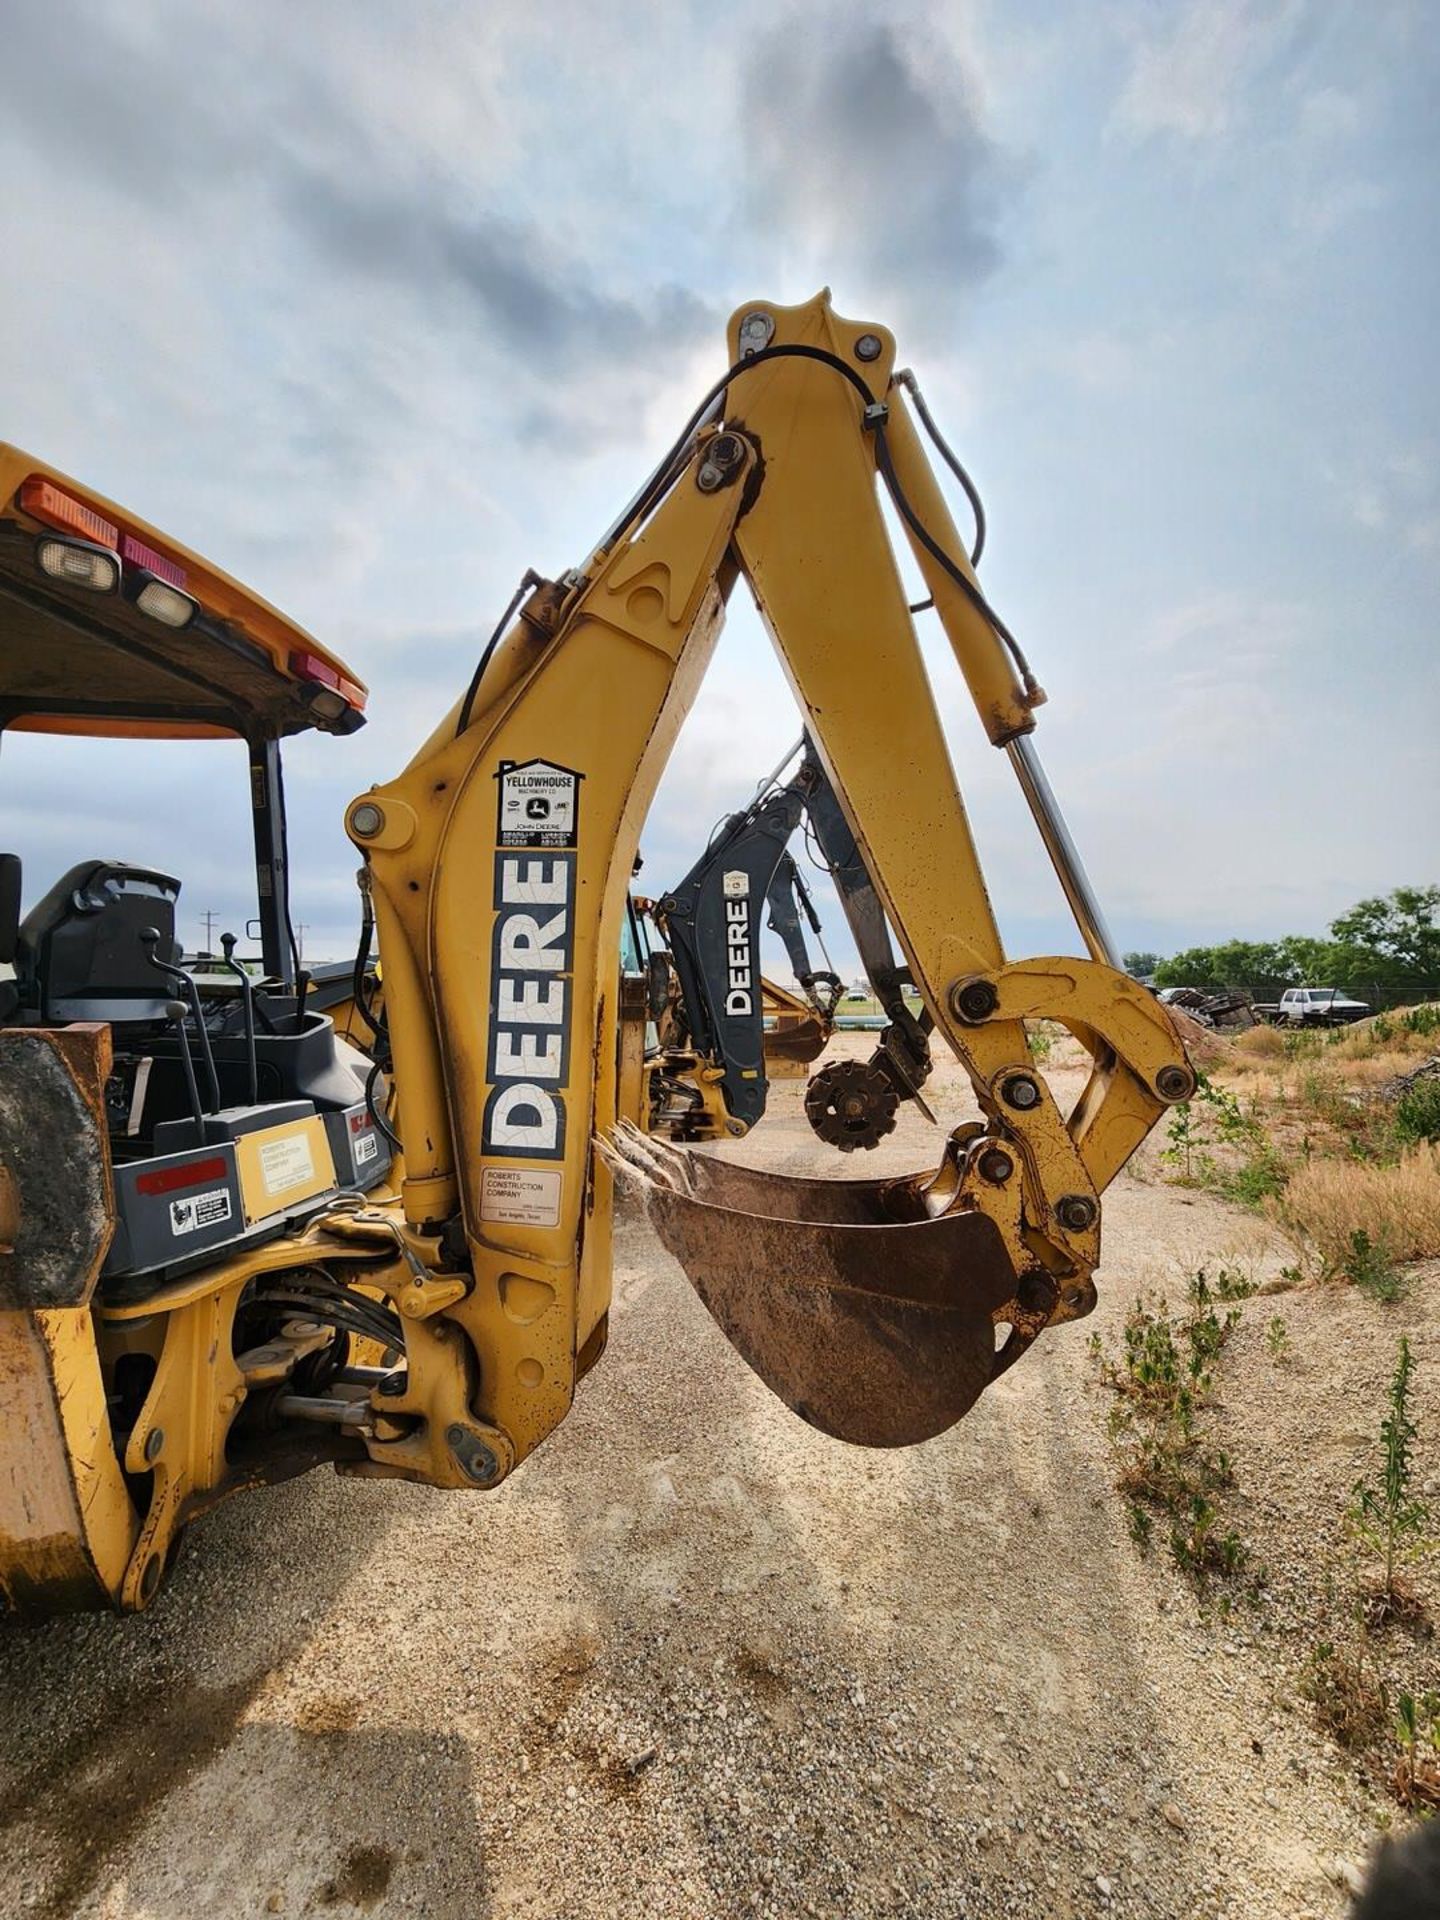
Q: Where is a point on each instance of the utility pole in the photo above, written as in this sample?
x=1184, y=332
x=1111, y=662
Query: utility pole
x=302, y=927
x=210, y=918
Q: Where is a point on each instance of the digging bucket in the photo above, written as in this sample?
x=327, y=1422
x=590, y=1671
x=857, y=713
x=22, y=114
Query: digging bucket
x=874, y=1321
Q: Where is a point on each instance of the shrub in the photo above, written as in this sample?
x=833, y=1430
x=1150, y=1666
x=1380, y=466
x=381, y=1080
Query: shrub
x=1417, y=1111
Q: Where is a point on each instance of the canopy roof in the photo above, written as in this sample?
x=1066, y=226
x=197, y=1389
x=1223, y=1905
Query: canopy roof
x=74, y=660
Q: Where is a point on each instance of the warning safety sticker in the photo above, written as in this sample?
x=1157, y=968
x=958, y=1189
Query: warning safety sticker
x=199, y=1210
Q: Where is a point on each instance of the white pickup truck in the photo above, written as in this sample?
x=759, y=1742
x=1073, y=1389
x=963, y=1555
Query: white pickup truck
x=1314, y=1007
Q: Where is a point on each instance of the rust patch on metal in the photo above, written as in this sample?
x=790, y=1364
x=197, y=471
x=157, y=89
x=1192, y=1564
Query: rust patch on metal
x=870, y=1319
x=57, y=1200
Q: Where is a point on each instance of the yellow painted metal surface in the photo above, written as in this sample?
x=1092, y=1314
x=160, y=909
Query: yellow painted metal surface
x=472, y=920
x=67, y=1526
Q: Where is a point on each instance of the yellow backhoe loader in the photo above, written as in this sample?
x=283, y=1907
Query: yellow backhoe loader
x=231, y=1247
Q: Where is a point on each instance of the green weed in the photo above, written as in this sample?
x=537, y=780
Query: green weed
x=1368, y=1266
x=1162, y=1376
x=1386, y=1513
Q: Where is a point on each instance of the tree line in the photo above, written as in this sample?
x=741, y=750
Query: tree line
x=1386, y=951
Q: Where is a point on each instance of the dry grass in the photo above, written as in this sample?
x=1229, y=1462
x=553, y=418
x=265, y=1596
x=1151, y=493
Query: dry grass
x=1349, y=1700
x=1382, y=1031
x=1329, y=1202
x=1371, y=1051
x=1366, y=1070
x=1260, y=1043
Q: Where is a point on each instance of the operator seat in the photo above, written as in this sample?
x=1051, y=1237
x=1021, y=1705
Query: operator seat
x=79, y=955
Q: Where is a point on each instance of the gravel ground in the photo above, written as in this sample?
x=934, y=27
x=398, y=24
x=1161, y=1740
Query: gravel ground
x=696, y=1660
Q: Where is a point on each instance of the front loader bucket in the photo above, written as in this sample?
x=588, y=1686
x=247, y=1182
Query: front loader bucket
x=871, y=1320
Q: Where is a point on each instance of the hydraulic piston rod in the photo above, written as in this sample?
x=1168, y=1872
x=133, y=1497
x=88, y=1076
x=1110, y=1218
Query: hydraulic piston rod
x=1063, y=852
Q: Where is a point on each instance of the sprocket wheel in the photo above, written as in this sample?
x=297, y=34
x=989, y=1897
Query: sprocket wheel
x=851, y=1104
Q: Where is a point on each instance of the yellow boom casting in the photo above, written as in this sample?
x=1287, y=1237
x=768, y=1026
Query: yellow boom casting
x=474, y=1280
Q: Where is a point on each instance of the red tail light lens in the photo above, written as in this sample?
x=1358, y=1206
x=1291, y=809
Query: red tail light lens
x=309, y=666
x=135, y=553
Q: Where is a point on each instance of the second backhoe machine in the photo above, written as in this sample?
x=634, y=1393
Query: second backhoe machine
x=425, y=1308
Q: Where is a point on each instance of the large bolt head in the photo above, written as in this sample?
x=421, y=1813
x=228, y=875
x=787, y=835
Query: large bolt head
x=995, y=1165
x=366, y=820
x=1076, y=1212
x=756, y=332
x=1021, y=1092
x=1174, y=1083
x=869, y=347
x=474, y=1458
x=973, y=1000
x=724, y=455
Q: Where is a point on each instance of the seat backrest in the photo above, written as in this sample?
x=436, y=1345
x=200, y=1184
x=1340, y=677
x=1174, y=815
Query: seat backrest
x=9, y=907
x=80, y=945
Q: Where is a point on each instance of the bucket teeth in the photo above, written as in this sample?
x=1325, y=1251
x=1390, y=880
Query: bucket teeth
x=872, y=1320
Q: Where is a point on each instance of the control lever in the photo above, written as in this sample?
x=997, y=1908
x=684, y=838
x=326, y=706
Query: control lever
x=302, y=988
x=150, y=940
x=176, y=1011
x=227, y=942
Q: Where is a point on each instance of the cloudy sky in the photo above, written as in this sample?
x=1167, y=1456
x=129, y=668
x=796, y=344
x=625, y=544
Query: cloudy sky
x=378, y=302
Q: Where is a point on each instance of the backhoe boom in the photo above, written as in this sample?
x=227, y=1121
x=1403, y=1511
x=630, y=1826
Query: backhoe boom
x=499, y=861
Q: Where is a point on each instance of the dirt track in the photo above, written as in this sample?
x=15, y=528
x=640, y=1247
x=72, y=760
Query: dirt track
x=693, y=1660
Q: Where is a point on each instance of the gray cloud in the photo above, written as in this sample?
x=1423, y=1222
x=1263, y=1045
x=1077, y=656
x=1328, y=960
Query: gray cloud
x=865, y=146
x=496, y=268
x=195, y=117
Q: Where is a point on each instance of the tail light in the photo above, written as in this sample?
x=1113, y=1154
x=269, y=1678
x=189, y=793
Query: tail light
x=331, y=693
x=135, y=553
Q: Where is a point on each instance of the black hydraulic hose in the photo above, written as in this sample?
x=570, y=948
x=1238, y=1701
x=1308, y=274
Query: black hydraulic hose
x=530, y=580
x=646, y=498
x=948, y=454
x=373, y=1110
x=345, y=1314
x=362, y=955
x=962, y=579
